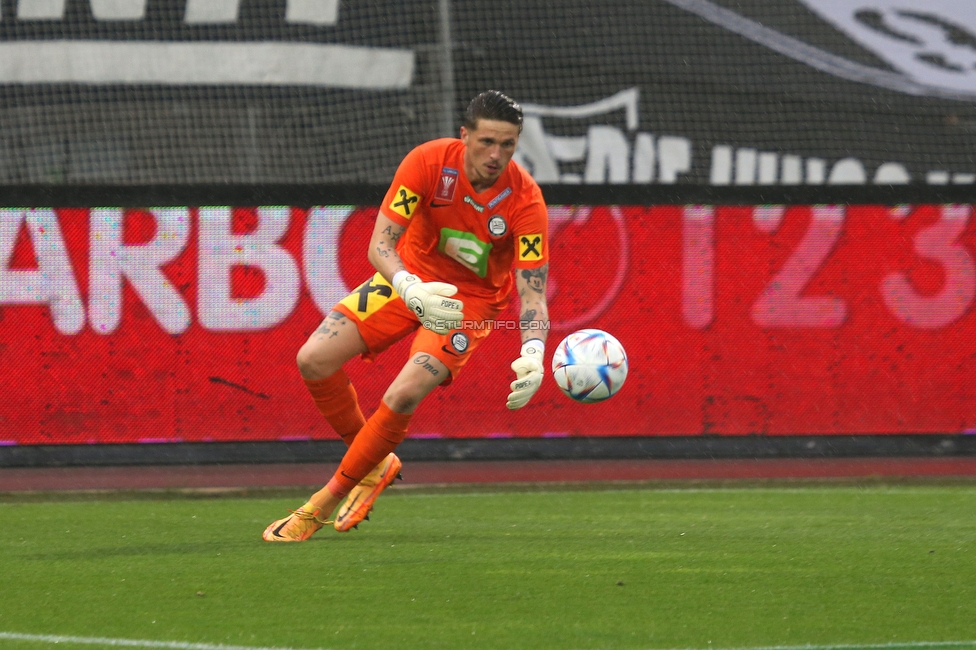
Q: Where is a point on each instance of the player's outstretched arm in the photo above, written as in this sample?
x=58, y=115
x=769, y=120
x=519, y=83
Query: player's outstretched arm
x=534, y=321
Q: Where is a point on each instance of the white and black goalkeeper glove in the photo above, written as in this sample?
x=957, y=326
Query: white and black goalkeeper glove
x=431, y=301
x=528, y=369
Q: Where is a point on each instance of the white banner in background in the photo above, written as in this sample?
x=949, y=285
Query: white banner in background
x=931, y=41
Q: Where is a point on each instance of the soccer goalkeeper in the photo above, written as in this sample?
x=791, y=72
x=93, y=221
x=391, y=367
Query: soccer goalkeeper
x=457, y=218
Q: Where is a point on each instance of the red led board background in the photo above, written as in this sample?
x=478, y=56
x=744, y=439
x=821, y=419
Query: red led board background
x=182, y=324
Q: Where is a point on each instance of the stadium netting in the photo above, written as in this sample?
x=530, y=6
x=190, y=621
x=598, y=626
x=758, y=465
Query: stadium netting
x=707, y=92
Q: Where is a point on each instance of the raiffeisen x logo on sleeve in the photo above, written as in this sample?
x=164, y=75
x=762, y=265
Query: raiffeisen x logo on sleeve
x=405, y=202
x=530, y=247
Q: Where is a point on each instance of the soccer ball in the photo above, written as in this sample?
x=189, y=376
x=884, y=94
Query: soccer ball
x=589, y=366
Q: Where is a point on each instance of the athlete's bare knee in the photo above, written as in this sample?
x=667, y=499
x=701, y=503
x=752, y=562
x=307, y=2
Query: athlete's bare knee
x=334, y=342
x=313, y=364
x=402, y=400
x=306, y=364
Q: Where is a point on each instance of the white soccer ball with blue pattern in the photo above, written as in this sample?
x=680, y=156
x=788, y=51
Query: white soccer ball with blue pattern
x=589, y=366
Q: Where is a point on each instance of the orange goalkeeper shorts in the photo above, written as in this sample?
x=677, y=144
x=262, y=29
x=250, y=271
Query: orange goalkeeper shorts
x=383, y=319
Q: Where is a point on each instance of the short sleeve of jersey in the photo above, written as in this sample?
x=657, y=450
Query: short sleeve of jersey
x=409, y=187
x=531, y=231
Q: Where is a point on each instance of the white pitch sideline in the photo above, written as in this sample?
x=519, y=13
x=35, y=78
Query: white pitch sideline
x=128, y=643
x=182, y=645
x=906, y=645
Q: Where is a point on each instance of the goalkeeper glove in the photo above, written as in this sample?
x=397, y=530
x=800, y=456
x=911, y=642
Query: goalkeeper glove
x=528, y=369
x=431, y=301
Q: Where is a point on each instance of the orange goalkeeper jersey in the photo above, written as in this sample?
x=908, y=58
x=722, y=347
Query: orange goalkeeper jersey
x=456, y=235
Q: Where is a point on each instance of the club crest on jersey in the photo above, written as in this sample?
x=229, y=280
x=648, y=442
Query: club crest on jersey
x=497, y=226
x=447, y=184
x=530, y=247
x=459, y=341
x=474, y=204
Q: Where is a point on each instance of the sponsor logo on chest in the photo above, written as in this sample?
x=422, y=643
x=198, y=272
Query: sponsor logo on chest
x=501, y=197
x=466, y=249
x=474, y=204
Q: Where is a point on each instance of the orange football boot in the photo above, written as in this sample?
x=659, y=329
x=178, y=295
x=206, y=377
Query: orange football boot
x=360, y=500
x=296, y=527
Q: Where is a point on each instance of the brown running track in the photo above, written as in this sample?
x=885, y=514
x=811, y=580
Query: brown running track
x=204, y=477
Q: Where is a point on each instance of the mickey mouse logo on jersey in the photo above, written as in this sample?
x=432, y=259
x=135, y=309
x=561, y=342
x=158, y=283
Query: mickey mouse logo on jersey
x=497, y=226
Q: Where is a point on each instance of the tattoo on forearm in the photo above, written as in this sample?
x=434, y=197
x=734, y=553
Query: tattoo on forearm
x=534, y=320
x=394, y=235
x=536, y=278
x=382, y=252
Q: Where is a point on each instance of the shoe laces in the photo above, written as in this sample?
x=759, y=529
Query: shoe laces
x=308, y=516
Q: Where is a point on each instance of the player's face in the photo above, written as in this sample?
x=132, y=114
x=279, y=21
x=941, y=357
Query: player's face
x=488, y=149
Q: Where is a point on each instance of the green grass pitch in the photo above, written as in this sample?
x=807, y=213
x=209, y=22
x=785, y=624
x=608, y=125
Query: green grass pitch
x=845, y=566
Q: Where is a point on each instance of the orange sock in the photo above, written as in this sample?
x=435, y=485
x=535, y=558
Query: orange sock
x=379, y=436
x=336, y=399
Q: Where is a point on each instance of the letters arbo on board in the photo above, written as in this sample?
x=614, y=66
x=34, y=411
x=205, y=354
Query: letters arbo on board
x=737, y=320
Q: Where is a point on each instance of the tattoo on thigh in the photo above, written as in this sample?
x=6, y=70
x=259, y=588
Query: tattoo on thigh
x=424, y=360
x=329, y=326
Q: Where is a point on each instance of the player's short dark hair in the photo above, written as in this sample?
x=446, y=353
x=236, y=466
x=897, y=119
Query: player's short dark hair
x=493, y=105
